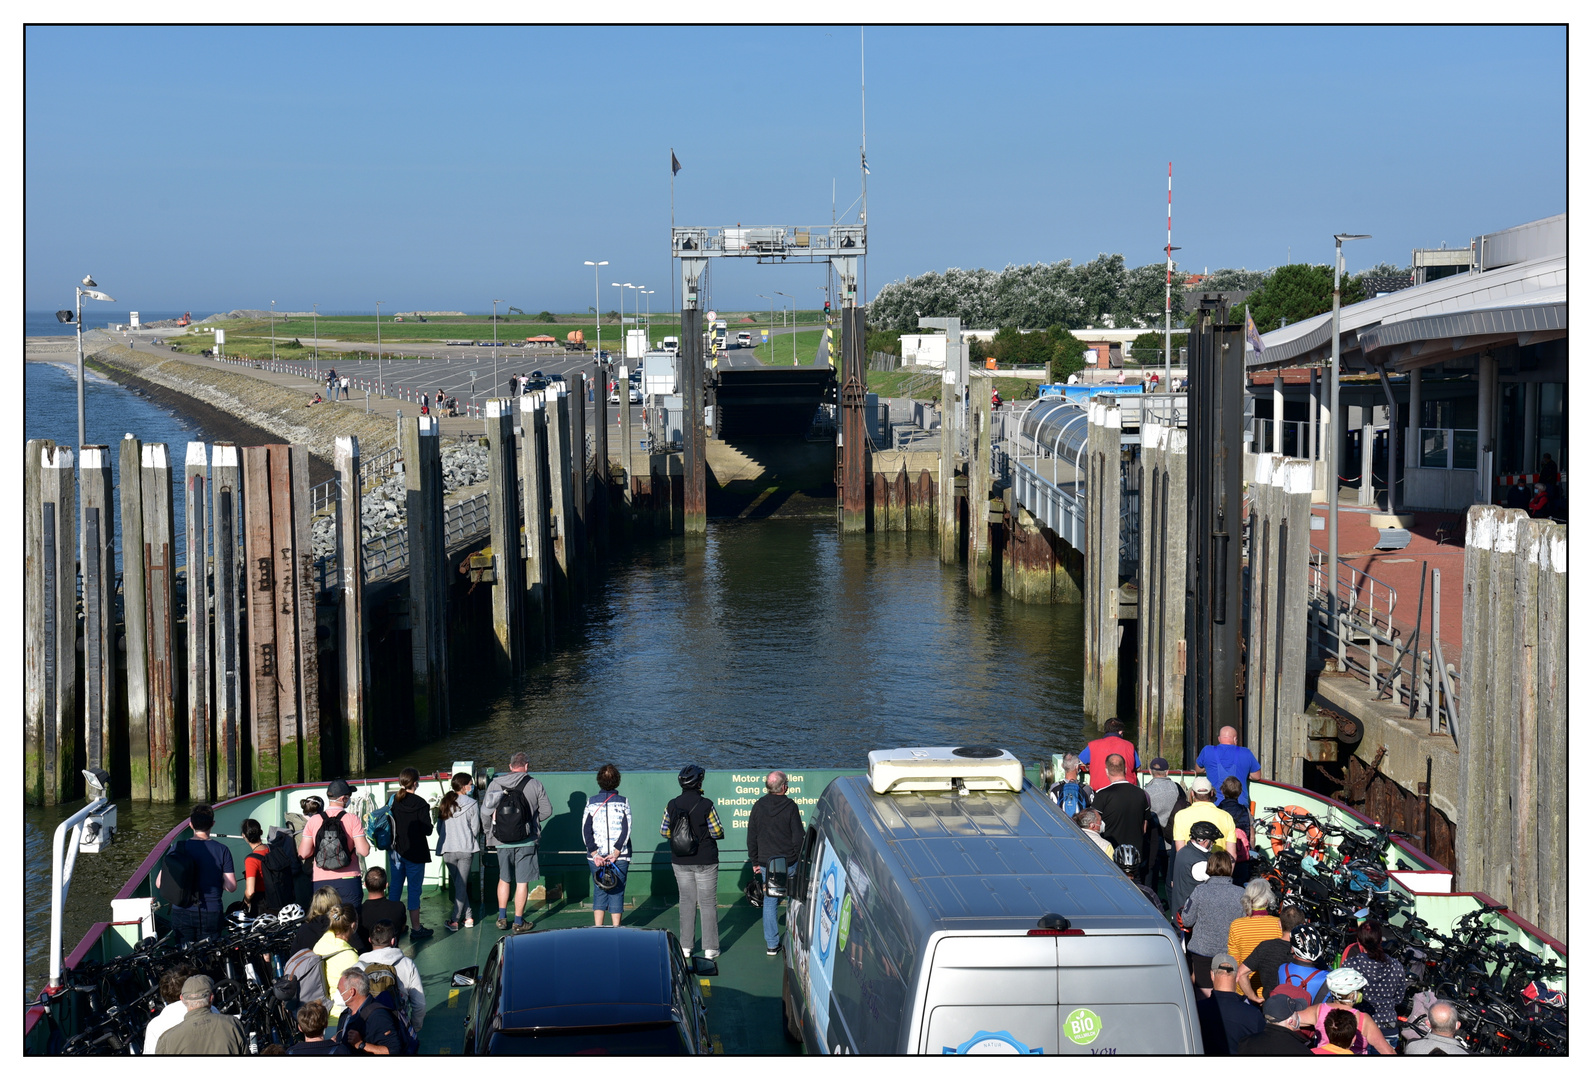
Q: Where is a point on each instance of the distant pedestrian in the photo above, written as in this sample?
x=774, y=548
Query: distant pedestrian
x=336, y=854
x=605, y=826
x=202, y=1031
x=696, y=859
x=411, y=825
x=516, y=804
x=773, y=832
x=458, y=841
x=1226, y=758
x=1538, y=506
x=1112, y=742
x=345, y=387
x=213, y=873
x=425, y=404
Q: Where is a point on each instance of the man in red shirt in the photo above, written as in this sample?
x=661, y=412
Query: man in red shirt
x=1094, y=755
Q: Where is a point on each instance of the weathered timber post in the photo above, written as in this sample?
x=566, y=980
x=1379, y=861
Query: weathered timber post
x=600, y=467
x=427, y=559
x=950, y=413
x=978, y=492
x=134, y=617
x=265, y=762
x=353, y=671
x=855, y=477
x=508, y=588
x=579, y=479
x=1552, y=786
x=309, y=659
x=99, y=609
x=1259, y=690
x=627, y=449
x=284, y=562
x=1520, y=724
x=1503, y=672
x=51, y=635
x=1294, y=482
x=692, y=372
x=1103, y=576
x=196, y=506
x=538, y=617
x=33, y=627
x=560, y=465
x=226, y=497
x=160, y=572
x=1163, y=577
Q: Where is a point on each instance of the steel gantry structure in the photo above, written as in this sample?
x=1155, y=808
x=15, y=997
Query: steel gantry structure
x=842, y=247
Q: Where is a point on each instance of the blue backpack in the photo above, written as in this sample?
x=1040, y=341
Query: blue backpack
x=378, y=826
x=1069, y=796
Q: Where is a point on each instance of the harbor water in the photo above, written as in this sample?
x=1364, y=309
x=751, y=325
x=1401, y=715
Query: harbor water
x=766, y=644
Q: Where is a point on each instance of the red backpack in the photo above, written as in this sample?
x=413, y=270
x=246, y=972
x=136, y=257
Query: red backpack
x=1295, y=983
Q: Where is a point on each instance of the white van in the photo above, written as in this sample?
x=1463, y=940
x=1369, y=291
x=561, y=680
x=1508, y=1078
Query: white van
x=671, y=345
x=944, y=905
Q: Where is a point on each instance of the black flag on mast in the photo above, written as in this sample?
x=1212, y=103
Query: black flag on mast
x=674, y=164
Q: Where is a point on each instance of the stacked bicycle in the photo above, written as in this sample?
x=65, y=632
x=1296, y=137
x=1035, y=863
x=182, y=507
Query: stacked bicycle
x=246, y=963
x=1339, y=877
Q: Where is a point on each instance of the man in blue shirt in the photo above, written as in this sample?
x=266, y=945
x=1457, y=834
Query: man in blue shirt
x=216, y=874
x=1226, y=758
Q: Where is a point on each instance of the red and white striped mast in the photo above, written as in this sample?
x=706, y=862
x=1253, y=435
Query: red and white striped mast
x=1169, y=250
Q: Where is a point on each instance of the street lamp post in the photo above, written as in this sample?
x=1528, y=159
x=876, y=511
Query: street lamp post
x=495, y=303
x=770, y=300
x=621, y=285
x=379, y=388
x=597, y=300
x=86, y=289
x=1336, y=421
x=315, y=331
x=273, y=331
x=624, y=341
x=792, y=300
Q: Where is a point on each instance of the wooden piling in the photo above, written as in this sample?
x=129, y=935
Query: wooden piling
x=50, y=636
x=855, y=474
x=537, y=618
x=1499, y=727
x=34, y=692
x=950, y=412
x=627, y=448
x=560, y=465
x=978, y=492
x=1295, y=482
x=99, y=608
x=226, y=496
x=1103, y=576
x=135, y=617
x=1552, y=788
x=284, y=561
x=353, y=673
x=265, y=758
x=1521, y=722
x=196, y=515
x=1261, y=613
x=306, y=590
x=692, y=376
x=1162, y=578
x=427, y=589
x=160, y=572
x=601, y=486
x=508, y=588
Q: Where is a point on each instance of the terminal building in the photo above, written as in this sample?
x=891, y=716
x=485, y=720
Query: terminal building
x=1460, y=380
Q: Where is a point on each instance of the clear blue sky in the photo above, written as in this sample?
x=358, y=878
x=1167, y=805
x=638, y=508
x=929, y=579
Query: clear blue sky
x=439, y=168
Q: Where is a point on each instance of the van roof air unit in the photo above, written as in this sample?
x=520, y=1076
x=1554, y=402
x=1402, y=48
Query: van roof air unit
x=944, y=768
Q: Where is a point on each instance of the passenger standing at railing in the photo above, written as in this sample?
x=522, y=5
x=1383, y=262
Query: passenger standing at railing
x=1226, y=758
x=605, y=827
x=411, y=825
x=458, y=840
x=213, y=862
x=348, y=841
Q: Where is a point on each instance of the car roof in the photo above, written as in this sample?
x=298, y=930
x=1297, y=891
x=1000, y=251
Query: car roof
x=583, y=976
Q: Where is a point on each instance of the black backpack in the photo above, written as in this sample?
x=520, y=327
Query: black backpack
x=682, y=838
x=511, y=823
x=281, y=865
x=332, y=849
x=179, y=877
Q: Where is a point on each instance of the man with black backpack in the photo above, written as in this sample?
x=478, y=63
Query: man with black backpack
x=192, y=876
x=516, y=804
x=334, y=840
x=692, y=827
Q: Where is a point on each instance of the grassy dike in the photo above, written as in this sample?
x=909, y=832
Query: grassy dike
x=253, y=403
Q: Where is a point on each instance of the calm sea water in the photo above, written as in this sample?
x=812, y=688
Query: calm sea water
x=96, y=316
x=766, y=644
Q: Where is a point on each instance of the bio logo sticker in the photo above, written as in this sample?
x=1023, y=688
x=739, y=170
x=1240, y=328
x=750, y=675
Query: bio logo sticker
x=993, y=1042
x=845, y=922
x=1083, y=1027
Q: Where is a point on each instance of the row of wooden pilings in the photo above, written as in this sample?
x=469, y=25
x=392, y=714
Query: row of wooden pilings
x=256, y=670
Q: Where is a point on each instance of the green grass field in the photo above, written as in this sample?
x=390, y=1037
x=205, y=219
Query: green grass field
x=777, y=353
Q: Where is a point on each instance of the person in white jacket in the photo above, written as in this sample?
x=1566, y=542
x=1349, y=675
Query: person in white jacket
x=383, y=951
x=458, y=841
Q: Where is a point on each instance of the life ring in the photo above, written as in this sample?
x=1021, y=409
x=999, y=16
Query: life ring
x=1291, y=819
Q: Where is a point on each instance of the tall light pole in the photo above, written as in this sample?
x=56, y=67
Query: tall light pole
x=770, y=300
x=86, y=289
x=792, y=300
x=379, y=387
x=1336, y=420
x=597, y=301
x=315, y=331
x=624, y=340
x=495, y=303
x=621, y=286
x=273, y=331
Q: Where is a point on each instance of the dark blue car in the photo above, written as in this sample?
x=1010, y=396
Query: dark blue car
x=585, y=990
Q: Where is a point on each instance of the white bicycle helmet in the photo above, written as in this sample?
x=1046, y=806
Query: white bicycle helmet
x=1344, y=982
x=290, y=913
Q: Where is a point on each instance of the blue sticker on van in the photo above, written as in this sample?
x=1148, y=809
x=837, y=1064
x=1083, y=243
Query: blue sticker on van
x=826, y=929
x=993, y=1042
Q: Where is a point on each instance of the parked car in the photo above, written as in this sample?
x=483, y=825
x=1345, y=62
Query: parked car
x=624, y=990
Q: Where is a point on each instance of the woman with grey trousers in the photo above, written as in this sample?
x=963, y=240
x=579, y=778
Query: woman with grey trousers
x=696, y=874
x=1209, y=913
x=458, y=839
